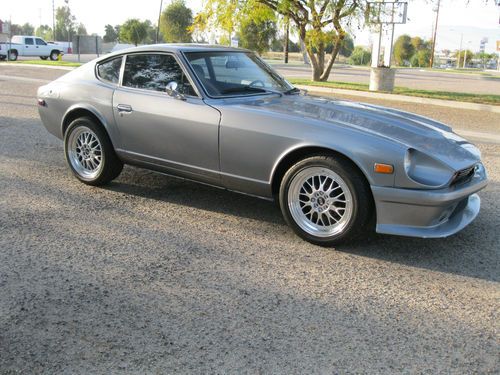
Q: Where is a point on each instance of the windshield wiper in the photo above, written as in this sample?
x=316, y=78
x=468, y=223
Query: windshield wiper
x=291, y=91
x=243, y=89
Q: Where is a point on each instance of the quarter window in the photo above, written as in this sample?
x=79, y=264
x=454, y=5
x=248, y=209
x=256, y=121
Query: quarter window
x=110, y=70
x=154, y=72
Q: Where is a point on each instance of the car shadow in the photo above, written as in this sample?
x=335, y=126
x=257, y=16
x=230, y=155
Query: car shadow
x=473, y=252
x=152, y=185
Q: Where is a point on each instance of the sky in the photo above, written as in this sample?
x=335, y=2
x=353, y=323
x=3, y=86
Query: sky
x=474, y=20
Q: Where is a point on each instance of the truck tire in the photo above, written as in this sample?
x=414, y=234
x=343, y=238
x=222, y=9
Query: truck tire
x=54, y=54
x=13, y=55
x=44, y=57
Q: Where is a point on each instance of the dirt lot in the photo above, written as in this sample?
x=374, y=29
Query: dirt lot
x=157, y=275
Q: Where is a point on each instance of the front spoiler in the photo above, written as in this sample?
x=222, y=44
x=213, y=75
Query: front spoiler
x=428, y=213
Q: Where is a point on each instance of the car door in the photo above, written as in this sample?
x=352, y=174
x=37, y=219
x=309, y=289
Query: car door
x=42, y=49
x=29, y=47
x=179, y=134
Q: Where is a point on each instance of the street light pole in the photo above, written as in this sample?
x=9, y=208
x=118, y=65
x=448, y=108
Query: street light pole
x=435, y=33
x=460, y=50
x=69, y=26
x=159, y=19
x=53, y=22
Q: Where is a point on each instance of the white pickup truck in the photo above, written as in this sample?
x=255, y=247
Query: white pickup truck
x=25, y=45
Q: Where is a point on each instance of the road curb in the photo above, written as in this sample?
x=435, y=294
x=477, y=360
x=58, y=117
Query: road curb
x=403, y=98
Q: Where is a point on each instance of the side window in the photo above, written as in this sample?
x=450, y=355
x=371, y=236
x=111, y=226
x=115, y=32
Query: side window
x=153, y=72
x=110, y=70
x=28, y=41
x=40, y=42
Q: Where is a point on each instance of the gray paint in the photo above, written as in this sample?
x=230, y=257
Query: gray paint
x=238, y=142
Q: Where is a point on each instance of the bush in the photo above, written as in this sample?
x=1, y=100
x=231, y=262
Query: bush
x=360, y=56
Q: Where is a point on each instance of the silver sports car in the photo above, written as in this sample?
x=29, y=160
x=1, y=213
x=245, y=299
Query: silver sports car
x=222, y=116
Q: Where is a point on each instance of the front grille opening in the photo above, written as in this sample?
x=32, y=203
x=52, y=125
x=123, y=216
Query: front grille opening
x=463, y=176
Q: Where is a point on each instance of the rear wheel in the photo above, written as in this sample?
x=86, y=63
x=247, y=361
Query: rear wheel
x=89, y=152
x=54, y=54
x=326, y=200
x=13, y=55
x=44, y=57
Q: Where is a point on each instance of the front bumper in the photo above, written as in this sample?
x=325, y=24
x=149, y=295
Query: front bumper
x=428, y=213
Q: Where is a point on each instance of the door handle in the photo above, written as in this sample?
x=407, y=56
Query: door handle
x=124, y=108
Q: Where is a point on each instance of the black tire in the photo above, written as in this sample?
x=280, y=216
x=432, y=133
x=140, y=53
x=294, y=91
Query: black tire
x=54, y=54
x=44, y=57
x=360, y=210
x=111, y=165
x=13, y=55
x=2, y=58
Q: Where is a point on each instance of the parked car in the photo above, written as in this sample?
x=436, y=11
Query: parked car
x=222, y=116
x=23, y=45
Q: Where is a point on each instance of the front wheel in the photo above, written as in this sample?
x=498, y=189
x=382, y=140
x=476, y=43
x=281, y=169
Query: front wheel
x=53, y=55
x=89, y=152
x=326, y=200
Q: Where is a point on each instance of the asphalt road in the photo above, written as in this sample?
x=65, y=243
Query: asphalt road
x=412, y=78
x=157, y=275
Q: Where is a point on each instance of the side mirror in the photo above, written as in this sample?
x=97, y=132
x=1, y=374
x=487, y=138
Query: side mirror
x=172, y=90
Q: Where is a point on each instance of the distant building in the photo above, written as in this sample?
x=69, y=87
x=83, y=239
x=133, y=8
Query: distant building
x=4, y=31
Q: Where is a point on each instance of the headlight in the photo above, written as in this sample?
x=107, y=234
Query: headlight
x=426, y=170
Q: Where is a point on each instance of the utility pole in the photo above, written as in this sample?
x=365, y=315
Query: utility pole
x=53, y=22
x=460, y=50
x=287, y=37
x=159, y=19
x=431, y=62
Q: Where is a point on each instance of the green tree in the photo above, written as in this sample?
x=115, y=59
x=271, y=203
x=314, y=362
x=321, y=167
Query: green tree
x=151, y=33
x=133, y=31
x=44, y=32
x=360, y=56
x=27, y=29
x=423, y=57
x=314, y=21
x=347, y=46
x=81, y=29
x=419, y=43
x=403, y=50
x=484, y=58
x=467, y=54
x=175, y=22
x=65, y=23
x=257, y=36
x=110, y=34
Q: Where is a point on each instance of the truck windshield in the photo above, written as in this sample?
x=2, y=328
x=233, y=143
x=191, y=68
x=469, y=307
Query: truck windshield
x=230, y=73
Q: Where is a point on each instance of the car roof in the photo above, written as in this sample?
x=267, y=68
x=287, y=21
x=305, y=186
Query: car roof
x=176, y=47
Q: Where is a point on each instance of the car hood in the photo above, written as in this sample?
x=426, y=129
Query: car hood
x=413, y=131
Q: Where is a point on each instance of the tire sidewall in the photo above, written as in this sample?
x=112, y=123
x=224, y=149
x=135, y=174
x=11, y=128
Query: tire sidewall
x=52, y=54
x=337, y=167
x=12, y=55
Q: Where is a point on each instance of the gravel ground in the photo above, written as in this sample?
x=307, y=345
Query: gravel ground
x=157, y=275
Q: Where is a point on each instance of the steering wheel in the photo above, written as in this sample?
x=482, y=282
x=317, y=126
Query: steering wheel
x=253, y=83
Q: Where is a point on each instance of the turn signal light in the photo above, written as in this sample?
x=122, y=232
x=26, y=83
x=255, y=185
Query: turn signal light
x=41, y=103
x=383, y=168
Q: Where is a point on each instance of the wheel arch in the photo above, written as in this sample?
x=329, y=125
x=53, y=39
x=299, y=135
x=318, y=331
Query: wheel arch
x=291, y=157
x=78, y=111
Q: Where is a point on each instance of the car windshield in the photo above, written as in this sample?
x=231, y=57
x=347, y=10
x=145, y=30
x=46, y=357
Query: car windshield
x=229, y=73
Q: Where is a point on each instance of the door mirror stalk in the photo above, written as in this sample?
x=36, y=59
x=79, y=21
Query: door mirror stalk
x=172, y=90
